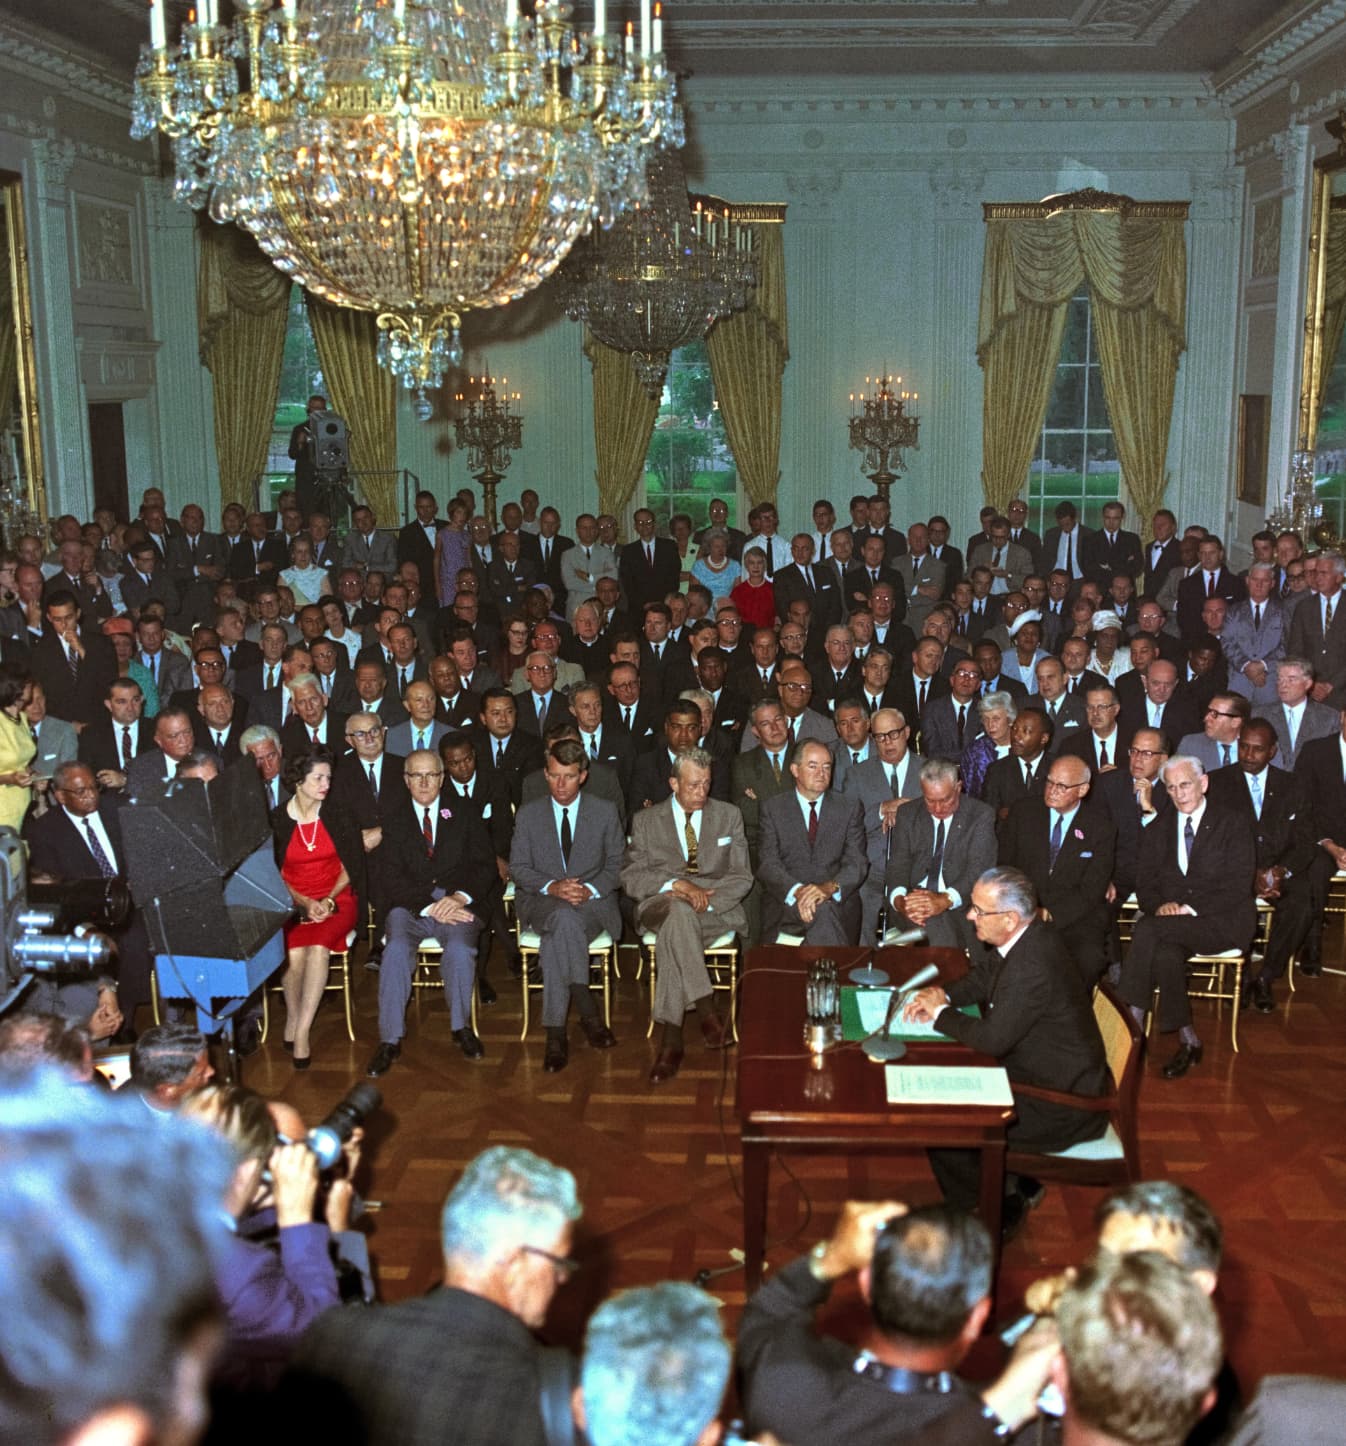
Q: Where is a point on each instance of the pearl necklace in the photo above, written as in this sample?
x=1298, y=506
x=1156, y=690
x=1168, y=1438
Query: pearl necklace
x=311, y=842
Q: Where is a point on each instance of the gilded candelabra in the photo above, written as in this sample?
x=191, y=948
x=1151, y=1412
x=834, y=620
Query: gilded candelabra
x=883, y=428
x=490, y=432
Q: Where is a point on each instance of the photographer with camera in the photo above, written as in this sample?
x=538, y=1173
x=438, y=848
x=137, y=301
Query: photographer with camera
x=270, y=1298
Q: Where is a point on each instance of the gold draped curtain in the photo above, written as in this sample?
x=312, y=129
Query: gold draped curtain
x=624, y=414
x=242, y=308
x=1134, y=258
x=365, y=394
x=1334, y=304
x=748, y=351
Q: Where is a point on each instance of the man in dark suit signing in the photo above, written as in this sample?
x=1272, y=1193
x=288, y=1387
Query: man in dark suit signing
x=813, y=855
x=566, y=859
x=1036, y=1020
x=1194, y=883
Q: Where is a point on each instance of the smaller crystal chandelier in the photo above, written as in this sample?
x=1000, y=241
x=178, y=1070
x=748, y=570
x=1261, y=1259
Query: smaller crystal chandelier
x=489, y=432
x=1300, y=510
x=661, y=277
x=883, y=429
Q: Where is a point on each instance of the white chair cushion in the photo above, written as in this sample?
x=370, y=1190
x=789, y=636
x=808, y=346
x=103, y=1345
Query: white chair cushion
x=723, y=941
x=529, y=940
x=1108, y=1146
x=508, y=894
x=1230, y=954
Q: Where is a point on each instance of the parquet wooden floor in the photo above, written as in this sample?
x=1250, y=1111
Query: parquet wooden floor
x=1260, y=1134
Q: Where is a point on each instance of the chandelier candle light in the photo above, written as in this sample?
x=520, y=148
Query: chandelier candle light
x=412, y=158
x=490, y=432
x=882, y=429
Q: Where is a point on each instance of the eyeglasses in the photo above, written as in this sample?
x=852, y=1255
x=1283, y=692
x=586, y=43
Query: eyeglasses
x=423, y=777
x=363, y=735
x=978, y=912
x=203, y=663
x=1216, y=713
x=540, y=668
x=890, y=734
x=797, y=687
x=1056, y=783
x=1146, y=752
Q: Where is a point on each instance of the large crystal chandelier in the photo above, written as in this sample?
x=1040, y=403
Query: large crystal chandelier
x=413, y=158
x=661, y=277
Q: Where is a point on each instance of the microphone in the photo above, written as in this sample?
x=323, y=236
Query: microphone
x=906, y=938
x=881, y=1047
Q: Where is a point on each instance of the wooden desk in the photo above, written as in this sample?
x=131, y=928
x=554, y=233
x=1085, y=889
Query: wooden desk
x=786, y=1103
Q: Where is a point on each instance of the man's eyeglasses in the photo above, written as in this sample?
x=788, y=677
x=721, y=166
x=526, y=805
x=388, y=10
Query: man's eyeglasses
x=363, y=735
x=1146, y=752
x=423, y=777
x=978, y=912
x=890, y=734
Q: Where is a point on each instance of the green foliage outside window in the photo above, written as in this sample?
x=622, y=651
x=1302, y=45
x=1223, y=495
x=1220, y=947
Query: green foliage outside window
x=689, y=461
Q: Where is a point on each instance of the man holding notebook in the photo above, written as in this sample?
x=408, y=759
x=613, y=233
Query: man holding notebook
x=1036, y=1019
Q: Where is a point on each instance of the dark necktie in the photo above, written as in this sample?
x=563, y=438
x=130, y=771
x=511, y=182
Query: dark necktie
x=499, y=755
x=373, y=783
x=649, y=555
x=1189, y=837
x=962, y=723
x=893, y=783
x=593, y=745
x=1070, y=553
x=1210, y=584
x=855, y=755
x=1224, y=754
x=808, y=576
x=104, y=863
x=72, y=656
x=628, y=712
x=1028, y=774
x=920, y=702
x=128, y=752
x=936, y=858
x=428, y=832
x=1055, y=847
x=770, y=559
x=775, y=765
x=813, y=824
x=822, y=547
x=566, y=838
x=1102, y=753
x=1257, y=617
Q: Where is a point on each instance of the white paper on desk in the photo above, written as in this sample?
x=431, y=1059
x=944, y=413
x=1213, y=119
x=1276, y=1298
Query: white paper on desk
x=872, y=1005
x=946, y=1085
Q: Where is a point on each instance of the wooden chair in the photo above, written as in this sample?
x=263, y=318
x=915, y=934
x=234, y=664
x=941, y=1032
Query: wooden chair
x=1219, y=977
x=603, y=950
x=1113, y=1158
x=722, y=963
x=340, y=960
x=425, y=974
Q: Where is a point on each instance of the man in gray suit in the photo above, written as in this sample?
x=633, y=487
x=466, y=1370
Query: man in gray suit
x=1218, y=745
x=169, y=669
x=1254, y=637
x=57, y=742
x=887, y=780
x=938, y=852
x=420, y=730
x=813, y=858
x=1318, y=630
x=1009, y=561
x=1294, y=715
x=757, y=775
x=583, y=564
x=922, y=575
x=366, y=547
x=565, y=861
x=687, y=872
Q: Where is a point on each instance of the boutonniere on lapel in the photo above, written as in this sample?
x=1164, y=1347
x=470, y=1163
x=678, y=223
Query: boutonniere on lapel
x=446, y=813
x=1079, y=833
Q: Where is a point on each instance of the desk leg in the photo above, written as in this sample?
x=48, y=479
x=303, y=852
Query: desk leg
x=990, y=1200
x=756, y=1163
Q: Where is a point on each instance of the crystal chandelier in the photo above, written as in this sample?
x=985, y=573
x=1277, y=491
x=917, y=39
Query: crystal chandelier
x=882, y=429
x=661, y=276
x=412, y=158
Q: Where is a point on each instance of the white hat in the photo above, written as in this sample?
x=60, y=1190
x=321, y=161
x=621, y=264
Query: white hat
x=1029, y=615
x=1105, y=619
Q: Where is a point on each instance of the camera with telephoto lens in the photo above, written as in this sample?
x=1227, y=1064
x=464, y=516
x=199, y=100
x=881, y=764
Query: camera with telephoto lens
x=50, y=930
x=347, y=1115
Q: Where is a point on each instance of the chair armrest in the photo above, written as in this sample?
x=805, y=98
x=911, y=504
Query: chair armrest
x=1094, y=1104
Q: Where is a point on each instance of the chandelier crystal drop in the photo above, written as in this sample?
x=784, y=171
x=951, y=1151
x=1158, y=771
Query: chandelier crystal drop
x=417, y=159
x=661, y=277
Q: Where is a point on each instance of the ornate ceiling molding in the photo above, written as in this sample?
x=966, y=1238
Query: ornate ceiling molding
x=1274, y=53
x=1111, y=96
x=35, y=53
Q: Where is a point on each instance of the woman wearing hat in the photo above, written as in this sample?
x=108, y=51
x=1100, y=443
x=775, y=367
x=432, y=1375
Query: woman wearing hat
x=121, y=634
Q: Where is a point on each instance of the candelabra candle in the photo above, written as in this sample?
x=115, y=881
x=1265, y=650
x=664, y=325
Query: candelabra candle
x=882, y=429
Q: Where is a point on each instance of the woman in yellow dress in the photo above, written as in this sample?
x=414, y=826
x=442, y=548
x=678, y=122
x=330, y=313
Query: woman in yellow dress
x=16, y=745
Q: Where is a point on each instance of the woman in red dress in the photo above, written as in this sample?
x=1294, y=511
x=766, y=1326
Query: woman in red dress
x=320, y=855
x=754, y=596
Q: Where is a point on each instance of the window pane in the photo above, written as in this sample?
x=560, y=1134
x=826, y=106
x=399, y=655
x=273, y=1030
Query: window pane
x=1077, y=458
x=689, y=461
x=300, y=378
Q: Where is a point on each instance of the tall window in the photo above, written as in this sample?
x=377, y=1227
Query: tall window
x=689, y=461
x=1077, y=458
x=1330, y=451
x=300, y=378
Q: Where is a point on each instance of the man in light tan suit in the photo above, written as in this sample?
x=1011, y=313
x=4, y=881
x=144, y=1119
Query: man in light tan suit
x=687, y=871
